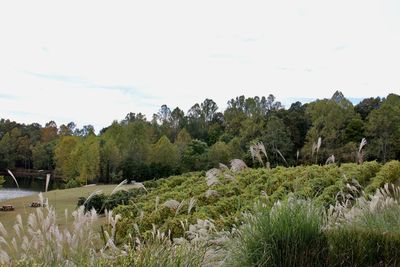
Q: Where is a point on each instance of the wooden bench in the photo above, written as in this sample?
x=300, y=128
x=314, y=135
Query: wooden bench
x=36, y=204
x=7, y=208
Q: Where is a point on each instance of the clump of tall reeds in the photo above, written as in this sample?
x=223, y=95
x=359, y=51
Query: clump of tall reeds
x=361, y=152
x=367, y=232
x=289, y=234
x=159, y=250
x=257, y=150
x=212, y=176
x=40, y=241
x=366, y=208
x=330, y=160
x=237, y=165
x=315, y=149
x=363, y=231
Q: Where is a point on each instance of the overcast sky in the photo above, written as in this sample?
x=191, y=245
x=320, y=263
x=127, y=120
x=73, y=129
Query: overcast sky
x=92, y=62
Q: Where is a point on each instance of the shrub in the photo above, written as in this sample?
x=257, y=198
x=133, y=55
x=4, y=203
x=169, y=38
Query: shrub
x=72, y=183
x=118, y=198
x=101, y=202
x=389, y=173
x=96, y=202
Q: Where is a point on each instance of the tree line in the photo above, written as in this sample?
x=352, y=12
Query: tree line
x=174, y=142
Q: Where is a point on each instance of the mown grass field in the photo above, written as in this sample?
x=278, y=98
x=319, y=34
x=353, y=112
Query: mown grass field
x=59, y=199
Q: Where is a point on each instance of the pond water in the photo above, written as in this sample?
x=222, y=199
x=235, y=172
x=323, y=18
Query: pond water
x=28, y=186
x=9, y=193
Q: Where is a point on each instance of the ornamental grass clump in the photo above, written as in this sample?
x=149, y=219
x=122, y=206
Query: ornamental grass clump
x=368, y=232
x=40, y=241
x=289, y=234
x=158, y=250
x=257, y=150
x=212, y=177
x=361, y=152
x=237, y=165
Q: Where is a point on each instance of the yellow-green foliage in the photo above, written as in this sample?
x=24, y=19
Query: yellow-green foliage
x=165, y=153
x=63, y=156
x=78, y=158
x=322, y=183
x=1, y=180
x=389, y=173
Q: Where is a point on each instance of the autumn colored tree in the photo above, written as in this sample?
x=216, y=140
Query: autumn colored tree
x=49, y=132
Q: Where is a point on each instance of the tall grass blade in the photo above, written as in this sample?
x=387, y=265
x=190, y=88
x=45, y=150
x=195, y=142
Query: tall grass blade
x=97, y=192
x=137, y=185
x=360, y=152
x=15, y=179
x=280, y=154
x=47, y=181
x=118, y=187
x=330, y=160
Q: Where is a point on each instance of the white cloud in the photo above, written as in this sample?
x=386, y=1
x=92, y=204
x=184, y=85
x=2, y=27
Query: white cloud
x=95, y=61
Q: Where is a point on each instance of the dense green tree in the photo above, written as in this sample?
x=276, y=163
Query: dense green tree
x=195, y=156
x=297, y=123
x=33, y=131
x=86, y=158
x=135, y=146
x=85, y=131
x=128, y=148
x=196, y=124
x=178, y=122
x=110, y=160
x=251, y=129
x=66, y=164
x=235, y=149
x=68, y=129
x=6, y=126
x=354, y=131
x=164, y=114
x=132, y=117
x=219, y=153
x=42, y=155
x=383, y=129
x=234, y=116
x=182, y=140
x=367, y=105
x=208, y=110
x=329, y=119
x=7, y=152
x=164, y=157
x=277, y=142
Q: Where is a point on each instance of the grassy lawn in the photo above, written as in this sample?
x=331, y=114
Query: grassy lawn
x=59, y=199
